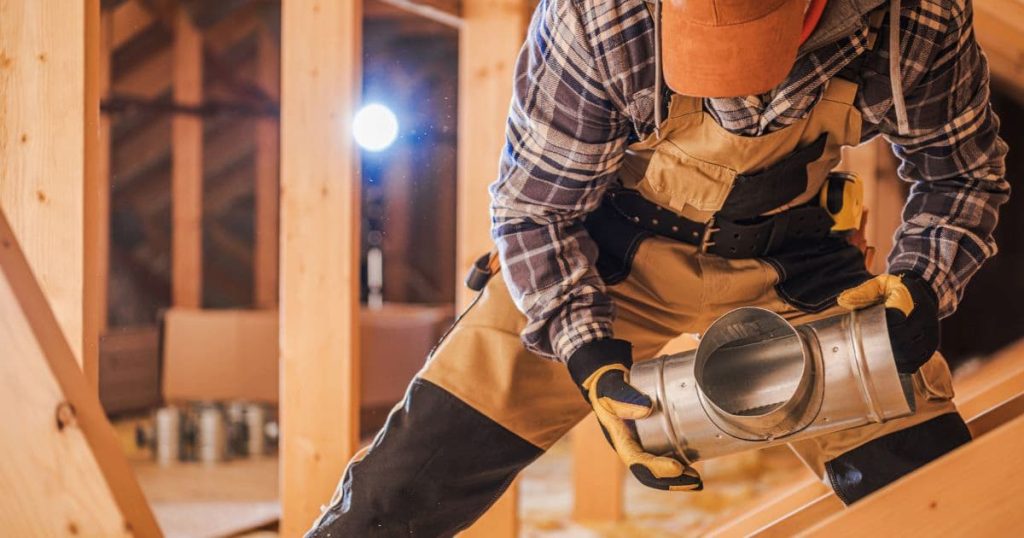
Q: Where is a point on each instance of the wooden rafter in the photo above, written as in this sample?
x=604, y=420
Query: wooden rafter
x=447, y=12
x=129, y=19
x=974, y=491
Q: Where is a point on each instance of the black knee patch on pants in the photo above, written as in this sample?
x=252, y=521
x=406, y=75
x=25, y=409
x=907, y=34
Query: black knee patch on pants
x=437, y=465
x=870, y=467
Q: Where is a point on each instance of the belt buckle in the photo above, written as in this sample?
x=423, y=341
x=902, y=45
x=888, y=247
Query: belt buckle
x=705, y=240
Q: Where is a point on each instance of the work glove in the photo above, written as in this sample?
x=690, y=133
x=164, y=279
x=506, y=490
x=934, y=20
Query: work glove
x=601, y=369
x=911, y=312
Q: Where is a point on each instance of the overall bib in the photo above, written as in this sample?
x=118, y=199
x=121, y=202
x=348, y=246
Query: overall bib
x=483, y=407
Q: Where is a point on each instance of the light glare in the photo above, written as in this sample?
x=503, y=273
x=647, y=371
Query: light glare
x=375, y=127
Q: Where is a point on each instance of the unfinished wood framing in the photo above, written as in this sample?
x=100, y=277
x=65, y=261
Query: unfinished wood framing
x=61, y=455
x=267, y=166
x=597, y=475
x=991, y=397
x=42, y=150
x=96, y=226
x=973, y=491
x=491, y=35
x=127, y=21
x=187, y=168
x=319, y=323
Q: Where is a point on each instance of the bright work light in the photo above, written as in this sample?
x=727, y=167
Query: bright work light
x=375, y=127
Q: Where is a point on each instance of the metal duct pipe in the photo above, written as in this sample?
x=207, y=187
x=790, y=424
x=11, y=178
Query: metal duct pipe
x=757, y=380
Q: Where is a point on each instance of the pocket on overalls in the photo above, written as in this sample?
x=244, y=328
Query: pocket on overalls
x=813, y=274
x=703, y=187
x=617, y=241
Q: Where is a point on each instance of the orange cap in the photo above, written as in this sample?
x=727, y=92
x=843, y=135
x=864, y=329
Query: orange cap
x=729, y=48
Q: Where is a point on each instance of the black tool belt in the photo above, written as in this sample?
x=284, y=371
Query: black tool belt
x=725, y=237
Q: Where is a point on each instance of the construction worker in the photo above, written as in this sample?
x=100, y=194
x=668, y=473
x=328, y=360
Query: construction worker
x=666, y=163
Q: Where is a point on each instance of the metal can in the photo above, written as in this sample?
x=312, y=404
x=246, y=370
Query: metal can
x=211, y=440
x=167, y=435
x=255, y=417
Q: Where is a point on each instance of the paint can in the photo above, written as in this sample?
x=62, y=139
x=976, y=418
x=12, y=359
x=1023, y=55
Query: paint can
x=167, y=435
x=211, y=438
x=255, y=417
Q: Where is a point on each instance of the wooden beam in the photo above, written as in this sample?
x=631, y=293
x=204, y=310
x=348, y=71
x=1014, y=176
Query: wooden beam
x=597, y=476
x=320, y=75
x=775, y=504
x=491, y=36
x=803, y=517
x=267, y=167
x=973, y=491
x=96, y=226
x=128, y=20
x=150, y=79
x=446, y=12
x=187, y=168
x=995, y=396
x=61, y=455
x=42, y=147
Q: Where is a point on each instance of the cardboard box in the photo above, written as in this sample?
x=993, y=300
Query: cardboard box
x=233, y=354
x=220, y=355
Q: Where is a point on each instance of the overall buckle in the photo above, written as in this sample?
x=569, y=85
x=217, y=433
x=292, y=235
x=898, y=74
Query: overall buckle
x=705, y=240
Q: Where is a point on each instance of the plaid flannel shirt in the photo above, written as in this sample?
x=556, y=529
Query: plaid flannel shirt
x=584, y=85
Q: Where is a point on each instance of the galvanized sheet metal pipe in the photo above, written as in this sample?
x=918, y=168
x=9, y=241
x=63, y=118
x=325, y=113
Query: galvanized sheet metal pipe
x=757, y=380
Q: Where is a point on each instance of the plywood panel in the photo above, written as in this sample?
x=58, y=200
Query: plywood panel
x=62, y=470
x=42, y=146
x=319, y=254
x=489, y=41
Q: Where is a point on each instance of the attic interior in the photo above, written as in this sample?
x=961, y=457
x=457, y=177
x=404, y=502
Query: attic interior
x=249, y=292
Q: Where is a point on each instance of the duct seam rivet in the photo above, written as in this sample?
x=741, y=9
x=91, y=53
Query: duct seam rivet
x=65, y=415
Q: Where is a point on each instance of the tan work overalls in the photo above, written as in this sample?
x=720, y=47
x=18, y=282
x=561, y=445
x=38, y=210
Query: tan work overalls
x=672, y=288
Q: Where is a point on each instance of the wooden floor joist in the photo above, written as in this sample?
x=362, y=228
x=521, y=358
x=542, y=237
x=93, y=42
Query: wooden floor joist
x=974, y=491
x=994, y=396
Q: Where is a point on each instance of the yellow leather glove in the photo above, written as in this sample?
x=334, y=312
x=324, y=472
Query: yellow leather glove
x=911, y=312
x=604, y=379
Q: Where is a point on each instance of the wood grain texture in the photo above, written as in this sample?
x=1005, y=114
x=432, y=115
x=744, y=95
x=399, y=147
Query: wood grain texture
x=63, y=469
x=491, y=34
x=96, y=191
x=320, y=74
x=770, y=507
x=42, y=146
x=974, y=491
x=187, y=168
x=991, y=397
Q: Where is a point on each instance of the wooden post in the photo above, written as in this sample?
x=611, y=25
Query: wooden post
x=42, y=147
x=96, y=227
x=267, y=168
x=319, y=321
x=489, y=41
x=597, y=475
x=187, y=168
